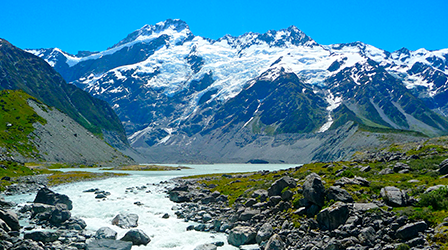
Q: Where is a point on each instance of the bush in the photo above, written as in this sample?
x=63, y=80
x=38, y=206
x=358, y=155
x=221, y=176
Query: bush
x=347, y=173
x=437, y=199
x=403, y=247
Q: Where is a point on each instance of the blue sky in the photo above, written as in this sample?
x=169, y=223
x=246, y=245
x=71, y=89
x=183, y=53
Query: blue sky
x=95, y=25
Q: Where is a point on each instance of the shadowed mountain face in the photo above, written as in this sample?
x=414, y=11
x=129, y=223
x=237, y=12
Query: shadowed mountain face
x=182, y=93
x=24, y=71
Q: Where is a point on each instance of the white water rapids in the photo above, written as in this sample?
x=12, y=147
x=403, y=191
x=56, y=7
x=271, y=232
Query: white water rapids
x=168, y=233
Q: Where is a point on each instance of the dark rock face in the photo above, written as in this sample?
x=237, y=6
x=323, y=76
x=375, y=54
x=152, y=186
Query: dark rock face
x=242, y=235
x=280, y=184
x=410, y=231
x=137, y=237
x=339, y=194
x=332, y=217
x=43, y=236
x=106, y=244
x=11, y=219
x=106, y=233
x=394, y=196
x=179, y=196
x=314, y=190
x=46, y=196
x=443, y=167
x=125, y=220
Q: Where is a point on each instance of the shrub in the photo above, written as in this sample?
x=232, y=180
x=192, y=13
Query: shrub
x=437, y=199
x=347, y=173
x=403, y=247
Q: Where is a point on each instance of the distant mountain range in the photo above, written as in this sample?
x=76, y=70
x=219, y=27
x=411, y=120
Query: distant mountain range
x=278, y=96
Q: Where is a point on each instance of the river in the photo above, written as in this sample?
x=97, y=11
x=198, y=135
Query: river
x=164, y=233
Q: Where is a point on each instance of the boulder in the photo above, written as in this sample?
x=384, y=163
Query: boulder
x=206, y=247
x=275, y=243
x=75, y=223
x=137, y=237
x=287, y=195
x=280, y=184
x=106, y=233
x=46, y=196
x=367, y=236
x=179, y=196
x=394, y=196
x=260, y=194
x=399, y=166
x=11, y=219
x=443, y=167
x=106, y=244
x=314, y=190
x=248, y=214
x=125, y=220
x=241, y=235
x=339, y=194
x=332, y=217
x=411, y=230
x=264, y=233
x=59, y=214
x=386, y=171
x=42, y=236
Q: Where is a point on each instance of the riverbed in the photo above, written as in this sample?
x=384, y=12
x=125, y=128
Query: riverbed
x=143, y=188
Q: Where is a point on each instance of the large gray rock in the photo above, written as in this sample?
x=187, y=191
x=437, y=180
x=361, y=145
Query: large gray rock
x=11, y=219
x=137, y=237
x=443, y=167
x=280, y=184
x=43, y=236
x=106, y=233
x=275, y=243
x=125, y=220
x=367, y=236
x=339, y=194
x=106, y=244
x=264, y=233
x=242, y=235
x=206, y=247
x=46, y=196
x=394, y=196
x=248, y=214
x=179, y=196
x=332, y=217
x=59, y=214
x=410, y=231
x=260, y=194
x=314, y=190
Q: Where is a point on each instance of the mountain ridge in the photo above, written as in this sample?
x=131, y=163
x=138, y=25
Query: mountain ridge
x=169, y=85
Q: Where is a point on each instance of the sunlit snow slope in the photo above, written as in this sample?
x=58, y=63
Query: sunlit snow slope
x=167, y=84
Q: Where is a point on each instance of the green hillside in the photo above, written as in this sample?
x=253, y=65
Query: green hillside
x=22, y=70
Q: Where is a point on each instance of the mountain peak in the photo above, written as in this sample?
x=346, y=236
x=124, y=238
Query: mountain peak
x=169, y=26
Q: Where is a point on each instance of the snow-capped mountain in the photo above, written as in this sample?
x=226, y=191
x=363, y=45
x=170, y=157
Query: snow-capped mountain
x=172, y=89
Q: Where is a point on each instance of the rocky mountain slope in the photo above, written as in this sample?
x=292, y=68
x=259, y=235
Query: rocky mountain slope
x=182, y=96
x=32, y=131
x=21, y=70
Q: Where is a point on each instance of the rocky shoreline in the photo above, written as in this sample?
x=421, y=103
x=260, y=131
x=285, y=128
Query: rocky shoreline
x=270, y=219
x=50, y=226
